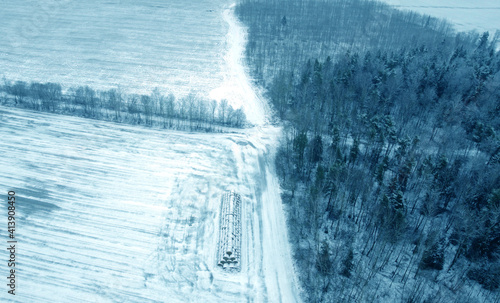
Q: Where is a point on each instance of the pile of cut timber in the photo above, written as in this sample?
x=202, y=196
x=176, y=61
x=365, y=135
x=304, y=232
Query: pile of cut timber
x=228, y=254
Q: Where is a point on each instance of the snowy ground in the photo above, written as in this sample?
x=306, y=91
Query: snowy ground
x=177, y=46
x=135, y=45
x=237, y=87
x=116, y=213
x=466, y=15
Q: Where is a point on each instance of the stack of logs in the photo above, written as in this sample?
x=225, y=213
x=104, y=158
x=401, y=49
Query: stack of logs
x=229, y=250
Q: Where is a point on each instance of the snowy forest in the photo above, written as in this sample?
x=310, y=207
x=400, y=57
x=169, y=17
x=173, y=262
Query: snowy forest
x=390, y=159
x=190, y=112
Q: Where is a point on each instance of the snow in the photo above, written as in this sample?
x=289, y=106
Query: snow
x=118, y=213
x=110, y=212
x=237, y=87
x=176, y=46
x=479, y=15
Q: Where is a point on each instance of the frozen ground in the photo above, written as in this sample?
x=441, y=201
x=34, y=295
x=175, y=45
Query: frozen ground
x=135, y=45
x=177, y=46
x=114, y=213
x=466, y=15
x=236, y=86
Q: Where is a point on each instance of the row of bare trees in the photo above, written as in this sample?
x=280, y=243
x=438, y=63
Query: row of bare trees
x=191, y=111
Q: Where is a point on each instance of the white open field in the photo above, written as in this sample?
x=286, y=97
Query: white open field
x=466, y=15
x=113, y=213
x=134, y=45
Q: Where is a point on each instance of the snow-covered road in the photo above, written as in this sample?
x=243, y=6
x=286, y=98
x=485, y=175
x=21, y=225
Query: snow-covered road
x=116, y=213
x=268, y=218
x=236, y=86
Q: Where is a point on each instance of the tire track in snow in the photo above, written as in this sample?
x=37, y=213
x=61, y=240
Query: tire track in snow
x=269, y=224
x=236, y=86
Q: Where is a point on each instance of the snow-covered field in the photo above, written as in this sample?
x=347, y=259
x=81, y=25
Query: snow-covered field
x=115, y=213
x=466, y=15
x=135, y=45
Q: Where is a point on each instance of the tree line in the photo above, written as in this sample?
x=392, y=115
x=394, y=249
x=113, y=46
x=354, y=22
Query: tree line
x=156, y=109
x=390, y=158
x=284, y=34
